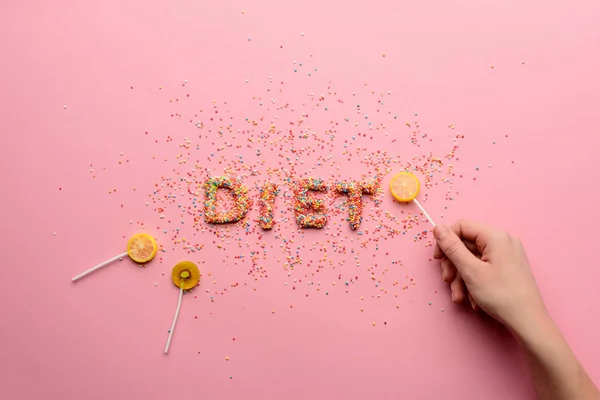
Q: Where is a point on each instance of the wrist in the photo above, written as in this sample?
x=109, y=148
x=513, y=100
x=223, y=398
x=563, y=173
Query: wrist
x=533, y=327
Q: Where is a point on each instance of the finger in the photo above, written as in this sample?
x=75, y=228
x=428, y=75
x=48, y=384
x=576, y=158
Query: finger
x=455, y=250
x=474, y=305
x=448, y=271
x=438, y=254
x=470, y=230
x=471, y=246
x=473, y=231
x=458, y=289
x=444, y=265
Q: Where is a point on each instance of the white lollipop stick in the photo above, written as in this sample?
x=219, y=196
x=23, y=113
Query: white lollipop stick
x=104, y=264
x=174, y=319
x=424, y=212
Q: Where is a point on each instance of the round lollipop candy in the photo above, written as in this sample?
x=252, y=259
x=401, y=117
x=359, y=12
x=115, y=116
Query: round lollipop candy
x=405, y=188
x=141, y=248
x=185, y=276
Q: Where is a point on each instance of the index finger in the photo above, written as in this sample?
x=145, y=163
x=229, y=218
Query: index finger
x=438, y=254
x=472, y=231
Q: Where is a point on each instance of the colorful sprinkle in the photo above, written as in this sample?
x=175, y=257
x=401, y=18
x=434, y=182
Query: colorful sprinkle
x=239, y=193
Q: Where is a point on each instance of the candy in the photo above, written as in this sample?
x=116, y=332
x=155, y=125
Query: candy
x=266, y=203
x=310, y=212
x=354, y=191
x=185, y=276
x=405, y=187
x=141, y=248
x=240, y=195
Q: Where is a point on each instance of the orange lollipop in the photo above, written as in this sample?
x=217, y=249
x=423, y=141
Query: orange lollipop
x=141, y=248
x=405, y=188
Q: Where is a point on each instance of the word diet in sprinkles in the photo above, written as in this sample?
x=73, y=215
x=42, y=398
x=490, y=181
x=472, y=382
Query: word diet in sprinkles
x=310, y=212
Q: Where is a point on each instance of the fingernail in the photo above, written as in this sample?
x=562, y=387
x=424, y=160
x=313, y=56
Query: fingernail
x=453, y=300
x=440, y=231
x=473, y=305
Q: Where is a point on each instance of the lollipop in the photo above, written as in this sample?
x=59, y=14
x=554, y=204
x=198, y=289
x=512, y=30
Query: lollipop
x=141, y=248
x=405, y=187
x=185, y=276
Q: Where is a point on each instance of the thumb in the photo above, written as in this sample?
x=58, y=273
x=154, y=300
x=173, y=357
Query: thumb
x=454, y=249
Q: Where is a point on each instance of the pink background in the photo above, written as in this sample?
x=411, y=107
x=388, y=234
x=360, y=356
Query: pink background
x=526, y=69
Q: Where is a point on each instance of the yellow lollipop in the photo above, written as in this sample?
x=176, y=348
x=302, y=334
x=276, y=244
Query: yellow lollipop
x=185, y=276
x=141, y=248
x=405, y=188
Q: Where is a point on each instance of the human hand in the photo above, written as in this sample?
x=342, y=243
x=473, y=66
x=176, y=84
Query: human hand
x=490, y=268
